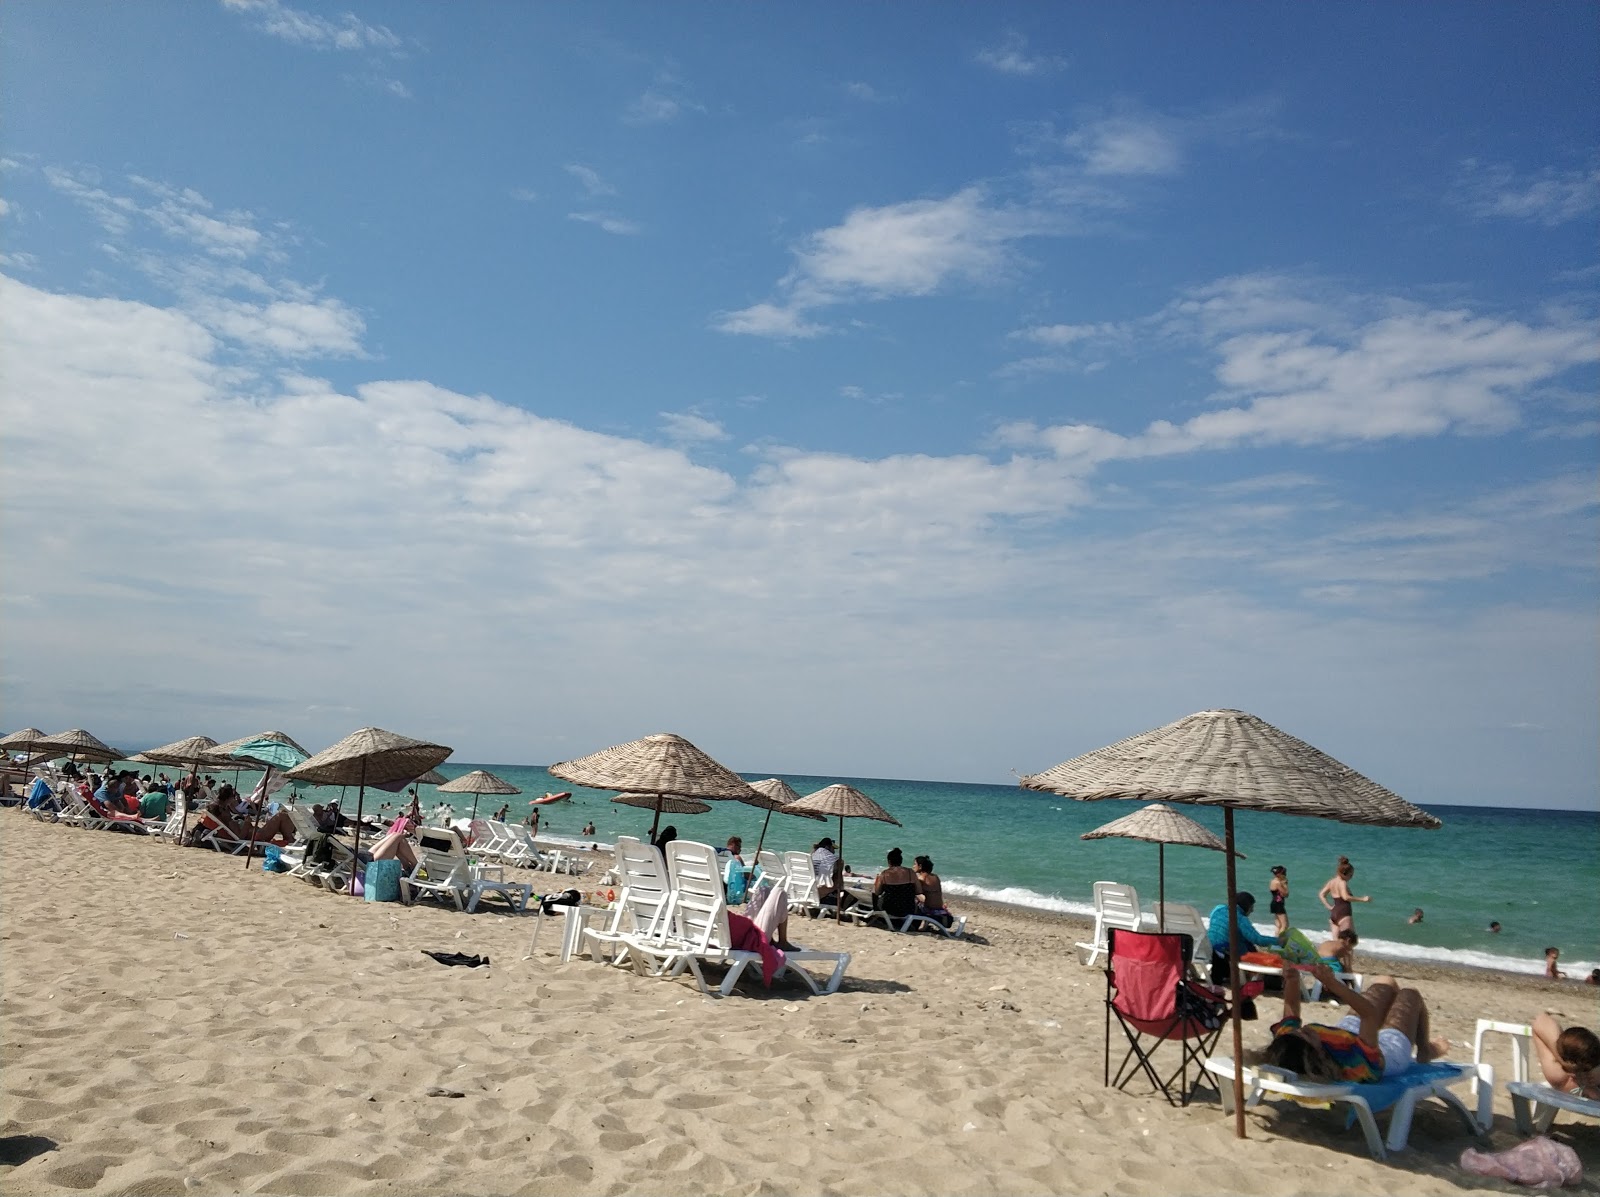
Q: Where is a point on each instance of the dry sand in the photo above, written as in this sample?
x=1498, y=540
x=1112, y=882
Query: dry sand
x=175, y=1023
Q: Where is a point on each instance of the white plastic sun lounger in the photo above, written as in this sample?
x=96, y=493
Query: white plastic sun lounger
x=1534, y=1103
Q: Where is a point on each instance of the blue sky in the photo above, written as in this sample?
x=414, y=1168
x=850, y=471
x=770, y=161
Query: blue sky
x=875, y=390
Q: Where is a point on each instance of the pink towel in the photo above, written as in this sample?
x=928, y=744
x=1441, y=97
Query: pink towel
x=745, y=936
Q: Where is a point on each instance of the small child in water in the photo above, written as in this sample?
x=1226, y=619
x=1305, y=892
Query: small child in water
x=1551, y=955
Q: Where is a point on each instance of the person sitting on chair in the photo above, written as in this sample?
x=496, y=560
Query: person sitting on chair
x=896, y=890
x=1373, y=1043
x=932, y=899
x=829, y=870
x=1217, y=932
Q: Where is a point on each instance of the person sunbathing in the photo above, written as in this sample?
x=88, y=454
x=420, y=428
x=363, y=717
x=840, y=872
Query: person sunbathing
x=1569, y=1059
x=1373, y=1043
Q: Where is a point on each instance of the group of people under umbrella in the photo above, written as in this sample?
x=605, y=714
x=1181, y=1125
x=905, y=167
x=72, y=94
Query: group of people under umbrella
x=1225, y=758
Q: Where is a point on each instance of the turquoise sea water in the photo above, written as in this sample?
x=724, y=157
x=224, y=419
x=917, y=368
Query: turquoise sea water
x=1536, y=872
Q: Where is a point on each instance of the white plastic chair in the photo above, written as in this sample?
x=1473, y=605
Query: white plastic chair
x=800, y=882
x=1116, y=906
x=641, y=908
x=444, y=868
x=1175, y=918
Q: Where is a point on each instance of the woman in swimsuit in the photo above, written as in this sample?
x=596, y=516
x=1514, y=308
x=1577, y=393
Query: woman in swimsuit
x=1340, y=915
x=1374, y=1041
x=932, y=898
x=1569, y=1059
x=1278, y=887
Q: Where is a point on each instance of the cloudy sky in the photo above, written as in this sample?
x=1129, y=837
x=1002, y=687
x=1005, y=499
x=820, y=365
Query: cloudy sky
x=868, y=390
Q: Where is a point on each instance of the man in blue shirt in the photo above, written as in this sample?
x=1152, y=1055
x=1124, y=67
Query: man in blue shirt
x=1249, y=937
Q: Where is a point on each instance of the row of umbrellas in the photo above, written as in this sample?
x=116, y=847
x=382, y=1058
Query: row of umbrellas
x=1221, y=757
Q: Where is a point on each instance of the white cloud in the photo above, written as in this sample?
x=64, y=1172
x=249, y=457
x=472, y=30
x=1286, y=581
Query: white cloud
x=1010, y=56
x=653, y=108
x=864, y=92
x=1494, y=190
x=307, y=29
x=590, y=179
x=1404, y=372
x=1127, y=145
x=526, y=195
x=688, y=428
x=321, y=329
x=767, y=320
x=906, y=249
x=968, y=593
x=607, y=221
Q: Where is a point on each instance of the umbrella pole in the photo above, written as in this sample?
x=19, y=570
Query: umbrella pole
x=255, y=823
x=1233, y=981
x=655, y=821
x=763, y=838
x=1161, y=888
x=355, y=853
x=473, y=817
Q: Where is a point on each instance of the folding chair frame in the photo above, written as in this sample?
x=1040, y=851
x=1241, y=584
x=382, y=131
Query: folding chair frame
x=1195, y=1041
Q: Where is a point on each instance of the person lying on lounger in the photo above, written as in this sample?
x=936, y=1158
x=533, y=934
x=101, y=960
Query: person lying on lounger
x=1569, y=1059
x=1373, y=1043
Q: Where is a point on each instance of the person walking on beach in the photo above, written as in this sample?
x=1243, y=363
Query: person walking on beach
x=1340, y=915
x=1278, y=887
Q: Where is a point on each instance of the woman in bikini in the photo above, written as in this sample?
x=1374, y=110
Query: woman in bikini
x=1340, y=915
x=1373, y=1043
x=1569, y=1059
x=1278, y=887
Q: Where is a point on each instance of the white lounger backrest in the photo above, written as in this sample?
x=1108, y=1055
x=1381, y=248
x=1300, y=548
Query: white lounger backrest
x=1116, y=905
x=699, y=908
x=771, y=865
x=800, y=878
x=642, y=904
x=441, y=854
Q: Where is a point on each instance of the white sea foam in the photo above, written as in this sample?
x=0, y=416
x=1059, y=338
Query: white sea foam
x=1033, y=900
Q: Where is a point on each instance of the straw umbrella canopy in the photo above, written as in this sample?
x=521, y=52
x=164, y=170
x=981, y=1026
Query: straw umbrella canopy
x=477, y=783
x=1237, y=761
x=845, y=801
x=77, y=743
x=663, y=804
x=369, y=756
x=1159, y=824
x=776, y=794
x=24, y=739
x=658, y=764
x=185, y=753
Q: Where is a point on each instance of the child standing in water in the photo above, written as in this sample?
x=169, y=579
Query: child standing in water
x=1278, y=887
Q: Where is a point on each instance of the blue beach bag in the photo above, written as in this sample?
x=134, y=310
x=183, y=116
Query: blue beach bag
x=383, y=881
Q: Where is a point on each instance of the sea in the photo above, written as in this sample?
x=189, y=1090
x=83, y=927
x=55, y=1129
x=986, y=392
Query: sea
x=1535, y=872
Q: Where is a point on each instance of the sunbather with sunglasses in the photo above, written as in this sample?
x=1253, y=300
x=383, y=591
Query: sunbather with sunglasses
x=1373, y=1043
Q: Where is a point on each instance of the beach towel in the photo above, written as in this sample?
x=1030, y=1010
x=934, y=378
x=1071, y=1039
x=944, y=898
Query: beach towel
x=768, y=908
x=1297, y=949
x=1538, y=1161
x=745, y=936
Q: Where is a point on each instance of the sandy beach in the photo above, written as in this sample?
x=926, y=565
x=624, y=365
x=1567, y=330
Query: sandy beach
x=174, y=1022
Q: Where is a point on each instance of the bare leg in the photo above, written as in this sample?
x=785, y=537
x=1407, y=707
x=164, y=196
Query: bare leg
x=1409, y=1015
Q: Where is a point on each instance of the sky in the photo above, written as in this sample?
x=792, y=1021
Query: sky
x=933, y=391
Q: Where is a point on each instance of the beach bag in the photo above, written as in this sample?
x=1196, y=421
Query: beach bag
x=552, y=903
x=733, y=878
x=271, y=859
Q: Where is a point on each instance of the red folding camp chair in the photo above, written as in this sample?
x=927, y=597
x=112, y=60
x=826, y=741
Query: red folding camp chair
x=1154, y=1000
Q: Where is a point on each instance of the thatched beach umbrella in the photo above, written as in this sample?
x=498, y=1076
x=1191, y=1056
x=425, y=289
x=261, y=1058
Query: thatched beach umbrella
x=845, y=801
x=369, y=756
x=477, y=783
x=185, y=753
x=79, y=745
x=1160, y=825
x=659, y=764
x=663, y=804
x=776, y=794
x=1236, y=761
x=24, y=739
